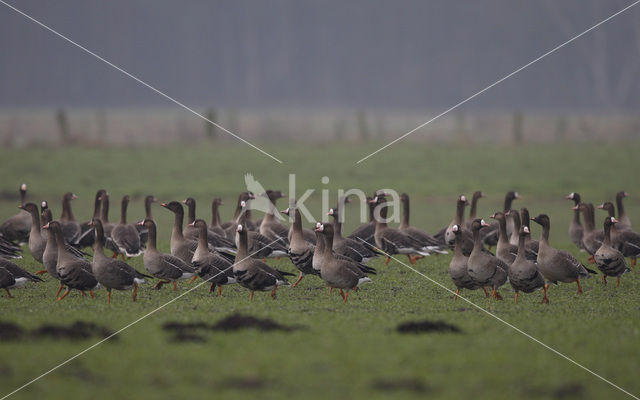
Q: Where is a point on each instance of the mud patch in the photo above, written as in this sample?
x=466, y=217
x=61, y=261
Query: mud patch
x=76, y=331
x=411, y=385
x=236, y=322
x=427, y=327
x=10, y=331
x=568, y=391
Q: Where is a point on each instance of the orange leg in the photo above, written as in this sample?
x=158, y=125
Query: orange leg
x=83, y=293
x=618, y=284
x=495, y=294
x=298, y=281
x=517, y=296
x=579, y=287
x=545, y=300
x=114, y=255
x=633, y=262
x=59, y=290
x=41, y=272
x=211, y=287
x=455, y=296
x=134, y=295
x=330, y=289
x=64, y=295
x=108, y=296
x=273, y=292
x=346, y=296
x=592, y=260
x=122, y=256
x=342, y=294
x=387, y=261
x=604, y=279
x=251, y=296
x=489, y=248
x=8, y=293
x=193, y=279
x=175, y=286
x=219, y=291
x=486, y=294
x=93, y=295
x=159, y=284
x=355, y=289
x=411, y=259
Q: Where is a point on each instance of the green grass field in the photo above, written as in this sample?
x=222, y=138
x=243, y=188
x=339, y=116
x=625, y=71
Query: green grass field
x=349, y=350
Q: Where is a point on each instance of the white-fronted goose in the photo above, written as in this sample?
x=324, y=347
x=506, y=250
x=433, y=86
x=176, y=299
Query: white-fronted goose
x=260, y=246
x=125, y=236
x=231, y=226
x=220, y=243
x=13, y=276
x=529, y=243
x=390, y=240
x=473, y=211
x=167, y=268
x=339, y=273
x=254, y=274
x=514, y=238
x=45, y=218
x=458, y=219
x=623, y=220
x=484, y=268
x=215, y=226
x=421, y=236
x=557, y=265
x=87, y=235
x=71, y=230
x=318, y=253
x=591, y=238
x=576, y=230
x=610, y=261
x=181, y=247
x=625, y=241
x=300, y=250
x=366, y=231
x=144, y=234
x=505, y=251
x=270, y=227
x=351, y=248
x=458, y=267
x=16, y=228
x=9, y=249
x=307, y=234
x=37, y=243
x=111, y=273
x=523, y=273
x=73, y=272
x=211, y=267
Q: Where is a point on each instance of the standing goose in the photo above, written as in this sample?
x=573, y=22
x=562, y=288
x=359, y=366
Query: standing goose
x=626, y=241
x=37, y=243
x=557, y=265
x=529, y=243
x=300, y=250
x=270, y=227
x=16, y=228
x=576, y=230
x=181, y=247
x=191, y=232
x=514, y=239
x=610, y=261
x=110, y=273
x=209, y=266
x=307, y=234
x=484, y=268
x=13, y=276
x=71, y=230
x=523, y=273
x=591, y=238
x=351, y=248
x=505, y=251
x=215, y=226
x=423, y=237
x=230, y=226
x=339, y=273
x=458, y=219
x=45, y=218
x=490, y=234
x=459, y=265
x=623, y=220
x=104, y=215
x=254, y=274
x=390, y=240
x=167, y=268
x=87, y=236
x=260, y=246
x=366, y=231
x=125, y=236
x=142, y=232
x=73, y=272
x=473, y=211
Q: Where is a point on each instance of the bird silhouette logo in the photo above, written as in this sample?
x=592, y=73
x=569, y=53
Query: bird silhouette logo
x=261, y=201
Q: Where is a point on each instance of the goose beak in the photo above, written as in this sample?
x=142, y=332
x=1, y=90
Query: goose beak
x=221, y=203
x=615, y=221
x=569, y=197
x=140, y=223
x=482, y=223
x=626, y=194
x=574, y=208
x=517, y=196
x=90, y=223
x=21, y=207
x=601, y=206
x=46, y=226
x=73, y=197
x=285, y=212
x=493, y=217
x=192, y=224
x=184, y=201
x=163, y=204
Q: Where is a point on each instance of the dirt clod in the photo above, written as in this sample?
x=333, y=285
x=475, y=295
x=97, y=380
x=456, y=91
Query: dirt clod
x=10, y=331
x=427, y=327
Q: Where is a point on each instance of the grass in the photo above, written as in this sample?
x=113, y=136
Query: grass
x=348, y=350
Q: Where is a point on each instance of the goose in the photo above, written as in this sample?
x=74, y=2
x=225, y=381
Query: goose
x=300, y=250
x=142, y=232
x=9, y=249
x=270, y=227
x=16, y=228
x=209, y=266
x=13, y=276
x=557, y=265
x=505, y=251
x=623, y=220
x=591, y=238
x=529, y=243
x=458, y=266
x=230, y=226
x=181, y=247
x=484, y=268
x=167, y=268
x=490, y=234
x=626, y=241
x=610, y=261
x=458, y=219
x=87, y=235
x=110, y=273
x=104, y=215
x=45, y=218
x=338, y=273
x=215, y=226
x=70, y=227
x=125, y=236
x=390, y=240
x=260, y=246
x=351, y=248
x=523, y=274
x=190, y=232
x=254, y=274
x=365, y=232
x=576, y=230
x=514, y=238
x=307, y=234
x=473, y=211
x=73, y=272
x=37, y=243
x=423, y=237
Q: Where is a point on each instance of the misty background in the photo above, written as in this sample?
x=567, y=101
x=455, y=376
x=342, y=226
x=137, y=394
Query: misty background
x=352, y=70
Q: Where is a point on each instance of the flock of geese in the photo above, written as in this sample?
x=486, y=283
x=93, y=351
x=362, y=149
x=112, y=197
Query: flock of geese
x=235, y=252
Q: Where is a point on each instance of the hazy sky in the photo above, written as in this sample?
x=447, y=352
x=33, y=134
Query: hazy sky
x=326, y=54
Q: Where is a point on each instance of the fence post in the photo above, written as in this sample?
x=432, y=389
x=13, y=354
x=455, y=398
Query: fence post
x=63, y=126
x=209, y=128
x=518, y=125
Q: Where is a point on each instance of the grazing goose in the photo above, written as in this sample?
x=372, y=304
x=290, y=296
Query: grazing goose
x=87, y=235
x=190, y=232
x=366, y=231
x=339, y=273
x=390, y=240
x=270, y=227
x=110, y=273
x=505, y=251
x=37, y=243
x=125, y=236
x=576, y=230
x=523, y=273
x=351, y=248
x=73, y=272
x=591, y=238
x=16, y=228
x=231, y=226
x=254, y=274
x=167, y=268
x=484, y=268
x=423, y=237
x=458, y=266
x=626, y=241
x=71, y=230
x=215, y=226
x=209, y=266
x=557, y=265
x=300, y=250
x=13, y=276
x=458, y=219
x=610, y=261
x=623, y=220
